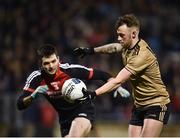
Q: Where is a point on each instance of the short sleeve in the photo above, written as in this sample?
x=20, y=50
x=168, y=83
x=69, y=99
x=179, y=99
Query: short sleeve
x=138, y=63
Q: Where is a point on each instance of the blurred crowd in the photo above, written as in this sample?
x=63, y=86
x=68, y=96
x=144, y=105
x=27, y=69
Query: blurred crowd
x=26, y=24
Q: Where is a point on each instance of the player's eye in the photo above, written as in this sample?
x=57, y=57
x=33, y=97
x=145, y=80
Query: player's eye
x=45, y=63
x=54, y=61
x=120, y=35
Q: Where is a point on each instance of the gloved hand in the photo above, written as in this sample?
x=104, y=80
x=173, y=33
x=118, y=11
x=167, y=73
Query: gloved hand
x=123, y=92
x=40, y=89
x=88, y=94
x=83, y=51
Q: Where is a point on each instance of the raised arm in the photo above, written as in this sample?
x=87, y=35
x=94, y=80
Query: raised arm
x=104, y=49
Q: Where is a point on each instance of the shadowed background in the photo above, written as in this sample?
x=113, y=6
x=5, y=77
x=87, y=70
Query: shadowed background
x=26, y=24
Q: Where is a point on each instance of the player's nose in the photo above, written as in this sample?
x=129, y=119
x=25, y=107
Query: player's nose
x=119, y=38
x=51, y=65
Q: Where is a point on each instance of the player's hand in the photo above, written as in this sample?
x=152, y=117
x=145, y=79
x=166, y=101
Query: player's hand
x=83, y=51
x=88, y=94
x=123, y=92
x=40, y=89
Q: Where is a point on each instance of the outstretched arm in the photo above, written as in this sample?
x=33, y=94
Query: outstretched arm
x=105, y=49
x=108, y=48
x=114, y=83
x=111, y=85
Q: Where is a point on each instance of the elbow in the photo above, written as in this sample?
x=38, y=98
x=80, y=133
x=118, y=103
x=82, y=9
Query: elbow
x=117, y=82
x=20, y=106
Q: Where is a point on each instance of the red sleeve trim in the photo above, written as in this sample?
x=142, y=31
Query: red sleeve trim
x=91, y=73
x=29, y=90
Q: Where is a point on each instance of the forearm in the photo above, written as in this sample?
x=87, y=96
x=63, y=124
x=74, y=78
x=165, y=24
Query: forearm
x=111, y=85
x=108, y=48
x=27, y=101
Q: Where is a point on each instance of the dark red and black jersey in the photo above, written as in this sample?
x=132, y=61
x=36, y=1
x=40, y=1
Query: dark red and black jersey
x=65, y=71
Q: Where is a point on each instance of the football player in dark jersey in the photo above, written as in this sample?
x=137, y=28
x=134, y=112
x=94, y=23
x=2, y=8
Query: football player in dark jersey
x=75, y=118
x=151, y=99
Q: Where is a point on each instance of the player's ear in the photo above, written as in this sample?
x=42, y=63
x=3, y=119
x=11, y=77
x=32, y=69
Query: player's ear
x=134, y=34
x=40, y=64
x=58, y=58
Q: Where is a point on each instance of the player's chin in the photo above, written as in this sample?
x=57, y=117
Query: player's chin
x=52, y=72
x=122, y=44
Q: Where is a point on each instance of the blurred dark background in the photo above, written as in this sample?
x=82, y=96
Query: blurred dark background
x=26, y=24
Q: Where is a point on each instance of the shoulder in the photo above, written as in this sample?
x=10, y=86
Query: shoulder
x=144, y=47
x=139, y=52
x=146, y=52
x=64, y=65
x=34, y=75
x=141, y=57
x=73, y=66
x=142, y=42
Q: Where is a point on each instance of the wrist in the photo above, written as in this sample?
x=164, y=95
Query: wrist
x=33, y=95
x=91, y=50
x=27, y=100
x=93, y=95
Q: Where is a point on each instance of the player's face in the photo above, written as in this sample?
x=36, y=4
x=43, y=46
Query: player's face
x=50, y=64
x=124, y=36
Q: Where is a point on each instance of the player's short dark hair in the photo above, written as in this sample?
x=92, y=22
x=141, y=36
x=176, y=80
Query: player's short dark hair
x=129, y=19
x=46, y=50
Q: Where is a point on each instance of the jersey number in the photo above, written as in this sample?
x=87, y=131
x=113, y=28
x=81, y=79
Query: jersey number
x=55, y=85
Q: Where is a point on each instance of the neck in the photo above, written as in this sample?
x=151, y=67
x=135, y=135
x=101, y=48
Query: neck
x=134, y=42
